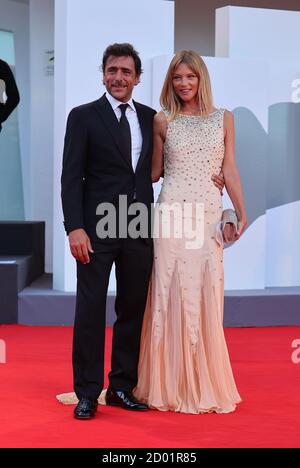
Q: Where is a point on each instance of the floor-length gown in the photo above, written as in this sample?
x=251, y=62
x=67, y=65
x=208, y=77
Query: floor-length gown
x=184, y=364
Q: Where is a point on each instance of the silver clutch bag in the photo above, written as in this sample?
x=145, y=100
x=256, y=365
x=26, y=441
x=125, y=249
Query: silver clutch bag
x=228, y=216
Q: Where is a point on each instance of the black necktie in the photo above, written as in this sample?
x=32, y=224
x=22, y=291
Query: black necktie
x=125, y=131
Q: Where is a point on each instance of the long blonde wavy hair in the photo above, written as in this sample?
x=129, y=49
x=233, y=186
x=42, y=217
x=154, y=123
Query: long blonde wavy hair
x=169, y=99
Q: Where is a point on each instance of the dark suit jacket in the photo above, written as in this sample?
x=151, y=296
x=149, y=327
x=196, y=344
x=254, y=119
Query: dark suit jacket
x=95, y=167
x=11, y=90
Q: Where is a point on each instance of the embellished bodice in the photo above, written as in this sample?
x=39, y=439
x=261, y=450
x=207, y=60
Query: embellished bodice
x=193, y=152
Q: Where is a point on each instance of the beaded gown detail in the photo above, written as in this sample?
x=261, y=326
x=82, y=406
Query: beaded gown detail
x=184, y=364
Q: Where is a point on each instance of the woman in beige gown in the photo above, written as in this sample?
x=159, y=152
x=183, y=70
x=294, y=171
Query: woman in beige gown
x=184, y=364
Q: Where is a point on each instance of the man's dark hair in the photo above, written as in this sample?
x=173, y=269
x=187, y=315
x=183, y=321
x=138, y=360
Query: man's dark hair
x=122, y=50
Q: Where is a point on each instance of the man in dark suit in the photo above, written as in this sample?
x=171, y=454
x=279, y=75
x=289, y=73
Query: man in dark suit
x=107, y=153
x=11, y=91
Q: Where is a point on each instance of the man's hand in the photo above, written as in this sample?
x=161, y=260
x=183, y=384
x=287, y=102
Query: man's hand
x=80, y=245
x=219, y=181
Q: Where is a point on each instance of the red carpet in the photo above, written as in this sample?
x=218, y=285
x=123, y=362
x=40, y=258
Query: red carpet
x=39, y=366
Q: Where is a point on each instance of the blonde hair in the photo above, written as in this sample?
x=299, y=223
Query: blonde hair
x=170, y=101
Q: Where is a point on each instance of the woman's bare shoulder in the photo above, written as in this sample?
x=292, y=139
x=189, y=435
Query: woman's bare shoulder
x=160, y=121
x=160, y=117
x=228, y=115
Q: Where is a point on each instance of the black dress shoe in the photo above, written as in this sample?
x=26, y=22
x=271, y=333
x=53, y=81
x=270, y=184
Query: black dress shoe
x=86, y=409
x=124, y=399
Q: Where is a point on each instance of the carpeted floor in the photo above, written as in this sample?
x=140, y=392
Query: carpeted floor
x=38, y=366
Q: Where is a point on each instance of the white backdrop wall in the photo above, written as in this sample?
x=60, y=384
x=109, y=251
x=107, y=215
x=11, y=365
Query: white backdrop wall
x=195, y=20
x=276, y=43
x=42, y=119
x=82, y=32
x=14, y=16
x=257, y=32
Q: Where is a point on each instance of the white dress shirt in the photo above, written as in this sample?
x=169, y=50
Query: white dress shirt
x=135, y=129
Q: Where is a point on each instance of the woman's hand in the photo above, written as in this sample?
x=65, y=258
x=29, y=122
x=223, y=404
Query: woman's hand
x=231, y=234
x=242, y=224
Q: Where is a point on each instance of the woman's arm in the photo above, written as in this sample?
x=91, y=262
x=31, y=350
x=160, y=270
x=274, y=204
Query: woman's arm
x=159, y=135
x=231, y=173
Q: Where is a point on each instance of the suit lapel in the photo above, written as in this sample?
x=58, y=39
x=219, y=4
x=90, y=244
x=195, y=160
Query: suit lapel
x=146, y=133
x=110, y=121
